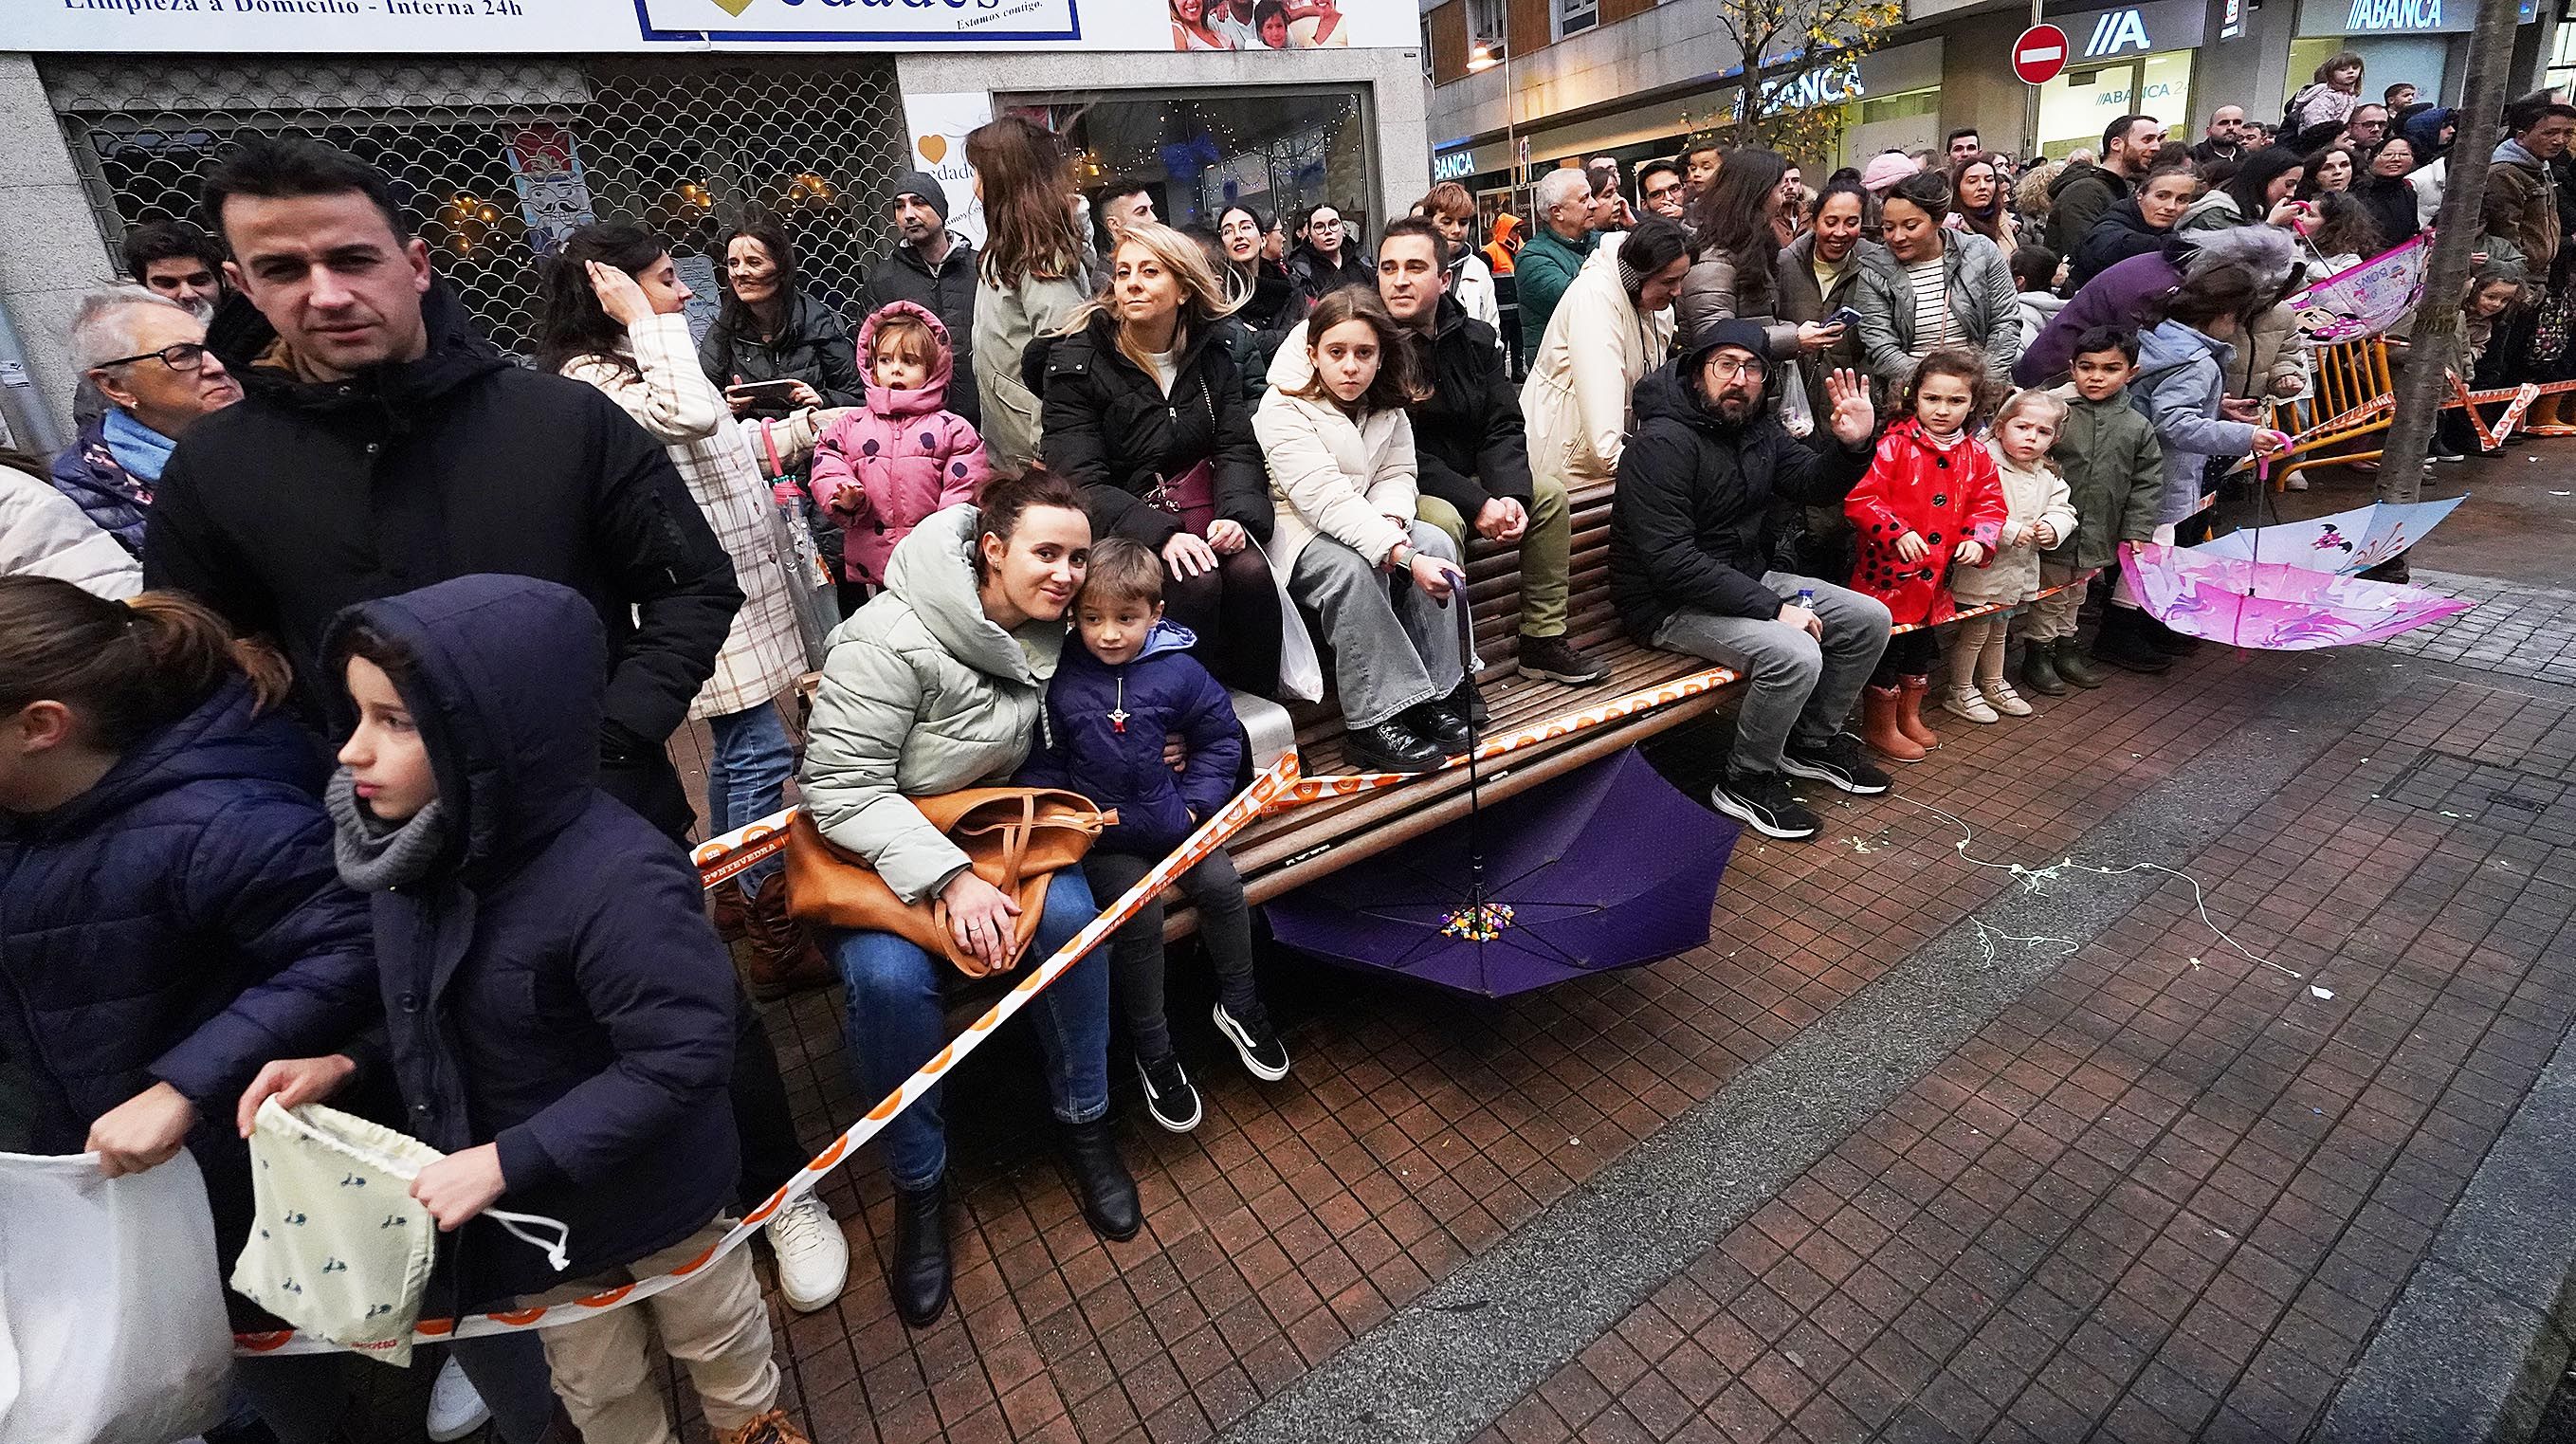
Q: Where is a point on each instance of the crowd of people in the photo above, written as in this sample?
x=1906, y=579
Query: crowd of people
x=340, y=655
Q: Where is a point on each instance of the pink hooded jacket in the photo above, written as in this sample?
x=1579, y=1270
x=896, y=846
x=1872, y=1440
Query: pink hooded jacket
x=897, y=459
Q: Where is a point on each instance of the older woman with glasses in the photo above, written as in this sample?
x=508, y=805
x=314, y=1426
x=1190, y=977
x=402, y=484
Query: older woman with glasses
x=147, y=356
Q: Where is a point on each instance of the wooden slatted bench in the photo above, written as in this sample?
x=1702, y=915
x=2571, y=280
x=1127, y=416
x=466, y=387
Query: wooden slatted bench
x=1299, y=845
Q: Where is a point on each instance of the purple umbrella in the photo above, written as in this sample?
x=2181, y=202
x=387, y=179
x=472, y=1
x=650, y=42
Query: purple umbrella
x=2273, y=606
x=1605, y=867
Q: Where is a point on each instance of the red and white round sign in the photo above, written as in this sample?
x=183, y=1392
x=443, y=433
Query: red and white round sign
x=2039, y=54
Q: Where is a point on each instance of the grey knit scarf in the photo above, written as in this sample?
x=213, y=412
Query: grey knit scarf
x=373, y=854
x=1630, y=279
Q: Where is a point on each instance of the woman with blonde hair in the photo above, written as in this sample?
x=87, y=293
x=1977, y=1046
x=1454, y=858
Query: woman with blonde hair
x=1144, y=411
x=1032, y=273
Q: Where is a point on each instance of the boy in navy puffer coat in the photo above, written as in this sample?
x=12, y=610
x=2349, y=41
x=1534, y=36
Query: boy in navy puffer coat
x=1130, y=685
x=555, y=1009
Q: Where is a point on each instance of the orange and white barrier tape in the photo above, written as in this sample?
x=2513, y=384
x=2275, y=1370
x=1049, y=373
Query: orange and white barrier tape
x=1235, y=816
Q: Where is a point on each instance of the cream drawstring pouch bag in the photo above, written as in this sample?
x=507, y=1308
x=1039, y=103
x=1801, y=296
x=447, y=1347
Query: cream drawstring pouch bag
x=338, y=1246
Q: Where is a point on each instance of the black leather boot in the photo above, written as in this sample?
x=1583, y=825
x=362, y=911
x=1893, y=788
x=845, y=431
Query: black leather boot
x=918, y=1277
x=1391, y=746
x=1108, y=1191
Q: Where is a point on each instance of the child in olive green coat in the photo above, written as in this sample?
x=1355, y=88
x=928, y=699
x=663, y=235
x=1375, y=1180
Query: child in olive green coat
x=2115, y=474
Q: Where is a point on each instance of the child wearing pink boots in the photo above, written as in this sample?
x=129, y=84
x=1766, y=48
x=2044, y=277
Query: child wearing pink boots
x=2038, y=514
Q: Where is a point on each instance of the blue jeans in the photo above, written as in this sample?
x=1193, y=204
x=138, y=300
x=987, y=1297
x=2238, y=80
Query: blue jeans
x=747, y=777
x=896, y=1022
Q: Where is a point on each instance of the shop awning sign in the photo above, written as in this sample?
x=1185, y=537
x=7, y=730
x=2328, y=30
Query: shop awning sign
x=2039, y=54
x=2133, y=30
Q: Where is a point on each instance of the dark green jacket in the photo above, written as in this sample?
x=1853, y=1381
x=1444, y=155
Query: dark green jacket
x=1545, y=266
x=2115, y=472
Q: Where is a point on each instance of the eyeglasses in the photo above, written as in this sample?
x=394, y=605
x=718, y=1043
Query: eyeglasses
x=1725, y=368
x=186, y=356
x=1657, y=193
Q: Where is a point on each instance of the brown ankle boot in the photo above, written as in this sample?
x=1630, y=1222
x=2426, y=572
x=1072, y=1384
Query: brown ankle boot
x=782, y=958
x=728, y=911
x=1879, y=707
x=1909, y=716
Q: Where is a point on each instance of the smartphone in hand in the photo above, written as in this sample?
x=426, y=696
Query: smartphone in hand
x=767, y=393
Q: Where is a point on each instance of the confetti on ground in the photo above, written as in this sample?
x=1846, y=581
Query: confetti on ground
x=2035, y=879
x=2320, y=992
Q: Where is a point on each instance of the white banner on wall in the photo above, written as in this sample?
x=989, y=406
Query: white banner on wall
x=937, y=123
x=470, y=27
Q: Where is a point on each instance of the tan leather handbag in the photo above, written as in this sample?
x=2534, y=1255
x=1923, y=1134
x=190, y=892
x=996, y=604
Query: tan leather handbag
x=1015, y=838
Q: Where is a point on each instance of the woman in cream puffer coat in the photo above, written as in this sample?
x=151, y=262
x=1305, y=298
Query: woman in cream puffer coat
x=1344, y=475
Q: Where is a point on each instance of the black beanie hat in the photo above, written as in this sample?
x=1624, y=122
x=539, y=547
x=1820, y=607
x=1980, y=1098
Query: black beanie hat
x=925, y=185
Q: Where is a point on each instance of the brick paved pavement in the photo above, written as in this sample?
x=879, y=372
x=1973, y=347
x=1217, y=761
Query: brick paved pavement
x=2169, y=1193
x=2165, y=1191
x=2113, y=1204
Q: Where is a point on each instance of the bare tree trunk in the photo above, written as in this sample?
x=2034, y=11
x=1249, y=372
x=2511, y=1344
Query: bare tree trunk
x=2459, y=231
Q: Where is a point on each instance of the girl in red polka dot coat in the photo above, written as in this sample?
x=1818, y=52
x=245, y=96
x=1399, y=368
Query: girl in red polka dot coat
x=1931, y=499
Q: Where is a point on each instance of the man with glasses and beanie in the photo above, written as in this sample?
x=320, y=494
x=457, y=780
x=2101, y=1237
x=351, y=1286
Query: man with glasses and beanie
x=1690, y=570
x=146, y=356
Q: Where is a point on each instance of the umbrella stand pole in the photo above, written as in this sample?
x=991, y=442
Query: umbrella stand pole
x=1475, y=743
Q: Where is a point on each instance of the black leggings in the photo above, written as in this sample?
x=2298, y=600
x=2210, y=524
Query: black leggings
x=1908, y=654
x=1235, y=611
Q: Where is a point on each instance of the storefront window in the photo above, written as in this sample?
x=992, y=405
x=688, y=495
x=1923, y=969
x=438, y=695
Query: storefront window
x=2076, y=107
x=1286, y=151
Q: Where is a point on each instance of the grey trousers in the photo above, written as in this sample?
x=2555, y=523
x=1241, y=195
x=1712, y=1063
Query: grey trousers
x=1393, y=648
x=1800, y=689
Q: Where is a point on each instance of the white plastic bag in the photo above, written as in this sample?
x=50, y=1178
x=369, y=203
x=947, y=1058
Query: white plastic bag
x=112, y=1323
x=1797, y=413
x=338, y=1246
x=1301, y=669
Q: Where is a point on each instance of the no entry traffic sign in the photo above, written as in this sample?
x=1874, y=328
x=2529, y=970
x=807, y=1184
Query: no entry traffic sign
x=2040, y=54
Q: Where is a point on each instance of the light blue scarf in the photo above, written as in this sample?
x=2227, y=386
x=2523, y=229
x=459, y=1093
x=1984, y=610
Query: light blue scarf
x=138, y=448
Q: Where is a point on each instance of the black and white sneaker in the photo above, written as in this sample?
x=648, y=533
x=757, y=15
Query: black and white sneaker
x=1264, y=1056
x=1763, y=802
x=1839, y=763
x=1168, y=1094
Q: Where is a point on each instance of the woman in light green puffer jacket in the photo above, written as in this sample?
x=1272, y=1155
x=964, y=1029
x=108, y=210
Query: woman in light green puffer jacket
x=939, y=683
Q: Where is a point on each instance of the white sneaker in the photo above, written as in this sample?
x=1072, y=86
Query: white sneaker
x=455, y=1410
x=813, y=1257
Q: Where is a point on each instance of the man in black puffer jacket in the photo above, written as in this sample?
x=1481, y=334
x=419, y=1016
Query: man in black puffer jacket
x=381, y=445
x=933, y=268
x=1688, y=570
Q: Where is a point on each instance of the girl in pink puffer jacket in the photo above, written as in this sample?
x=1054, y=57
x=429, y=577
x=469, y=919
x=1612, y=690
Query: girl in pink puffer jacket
x=883, y=467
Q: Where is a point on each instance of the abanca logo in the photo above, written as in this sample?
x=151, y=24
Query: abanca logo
x=2395, y=14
